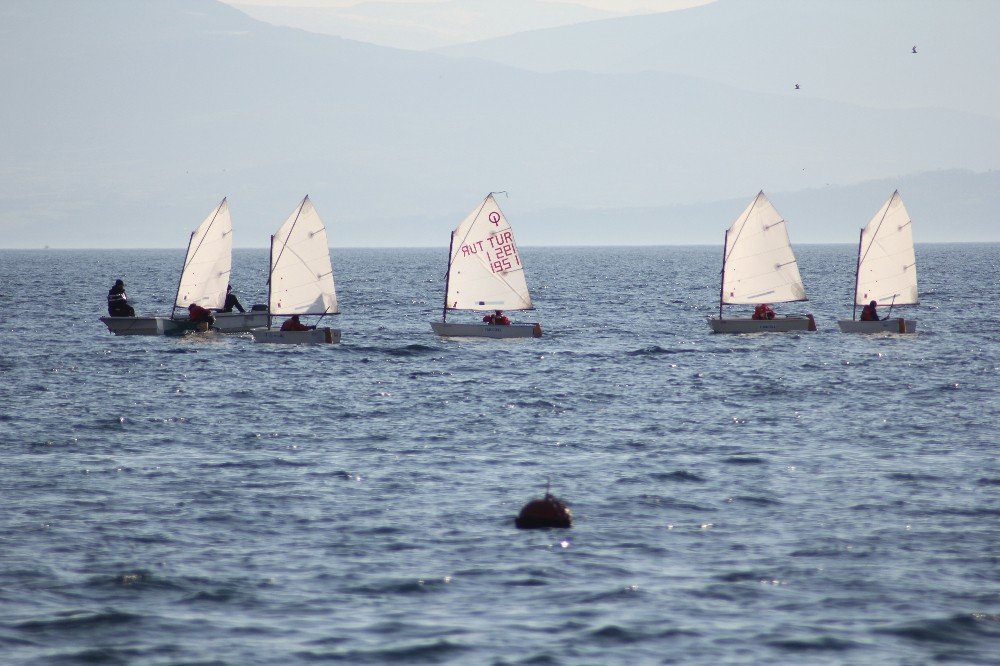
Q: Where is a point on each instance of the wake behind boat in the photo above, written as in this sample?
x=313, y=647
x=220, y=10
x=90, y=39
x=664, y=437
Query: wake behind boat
x=485, y=274
x=758, y=266
x=203, y=282
x=886, y=271
x=300, y=281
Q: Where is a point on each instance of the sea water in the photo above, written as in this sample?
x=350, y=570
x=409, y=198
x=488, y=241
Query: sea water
x=813, y=498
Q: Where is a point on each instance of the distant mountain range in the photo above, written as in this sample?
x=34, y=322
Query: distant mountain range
x=946, y=206
x=125, y=121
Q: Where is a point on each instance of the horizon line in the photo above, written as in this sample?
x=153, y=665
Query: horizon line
x=441, y=247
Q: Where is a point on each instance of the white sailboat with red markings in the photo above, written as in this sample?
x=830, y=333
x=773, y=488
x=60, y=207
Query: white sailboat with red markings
x=887, y=270
x=301, y=279
x=485, y=274
x=758, y=266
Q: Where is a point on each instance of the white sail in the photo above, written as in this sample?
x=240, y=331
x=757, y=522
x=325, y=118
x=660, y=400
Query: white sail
x=759, y=265
x=887, y=265
x=301, y=279
x=208, y=262
x=485, y=271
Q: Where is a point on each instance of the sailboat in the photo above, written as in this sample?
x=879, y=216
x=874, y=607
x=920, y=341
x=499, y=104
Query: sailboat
x=485, y=274
x=758, y=266
x=301, y=279
x=203, y=281
x=887, y=269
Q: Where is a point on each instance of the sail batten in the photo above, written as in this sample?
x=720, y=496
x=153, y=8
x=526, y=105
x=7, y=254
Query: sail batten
x=887, y=265
x=301, y=280
x=208, y=262
x=485, y=271
x=758, y=258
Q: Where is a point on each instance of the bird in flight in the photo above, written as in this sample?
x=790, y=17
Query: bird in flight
x=914, y=49
x=797, y=86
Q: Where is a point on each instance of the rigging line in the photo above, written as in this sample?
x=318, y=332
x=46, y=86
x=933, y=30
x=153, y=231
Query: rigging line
x=888, y=205
x=304, y=263
x=469, y=230
x=749, y=210
x=218, y=209
x=284, y=242
x=321, y=317
x=513, y=290
x=502, y=279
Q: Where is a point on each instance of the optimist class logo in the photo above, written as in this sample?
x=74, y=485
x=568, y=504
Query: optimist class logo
x=495, y=218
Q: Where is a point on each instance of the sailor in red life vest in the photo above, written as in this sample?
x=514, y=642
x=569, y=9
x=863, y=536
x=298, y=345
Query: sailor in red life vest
x=868, y=313
x=497, y=319
x=294, y=324
x=763, y=311
x=200, y=315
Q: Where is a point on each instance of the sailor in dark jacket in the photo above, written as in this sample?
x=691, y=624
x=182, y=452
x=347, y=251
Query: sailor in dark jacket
x=118, y=302
x=231, y=301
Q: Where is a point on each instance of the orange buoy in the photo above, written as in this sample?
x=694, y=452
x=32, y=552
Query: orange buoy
x=546, y=512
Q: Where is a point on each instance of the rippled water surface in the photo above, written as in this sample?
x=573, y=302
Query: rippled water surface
x=805, y=498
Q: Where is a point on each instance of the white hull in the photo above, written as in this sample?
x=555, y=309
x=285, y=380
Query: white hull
x=748, y=325
x=225, y=322
x=141, y=325
x=486, y=331
x=239, y=322
x=894, y=325
x=319, y=336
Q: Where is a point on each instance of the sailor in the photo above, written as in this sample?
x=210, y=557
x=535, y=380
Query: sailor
x=294, y=324
x=201, y=316
x=231, y=301
x=868, y=313
x=118, y=301
x=763, y=311
x=497, y=319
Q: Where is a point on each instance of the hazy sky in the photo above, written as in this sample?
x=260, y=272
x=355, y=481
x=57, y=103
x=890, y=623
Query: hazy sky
x=125, y=122
x=623, y=6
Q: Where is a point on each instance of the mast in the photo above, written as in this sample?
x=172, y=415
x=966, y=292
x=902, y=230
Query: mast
x=722, y=275
x=447, y=278
x=270, y=275
x=857, y=276
x=180, y=278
